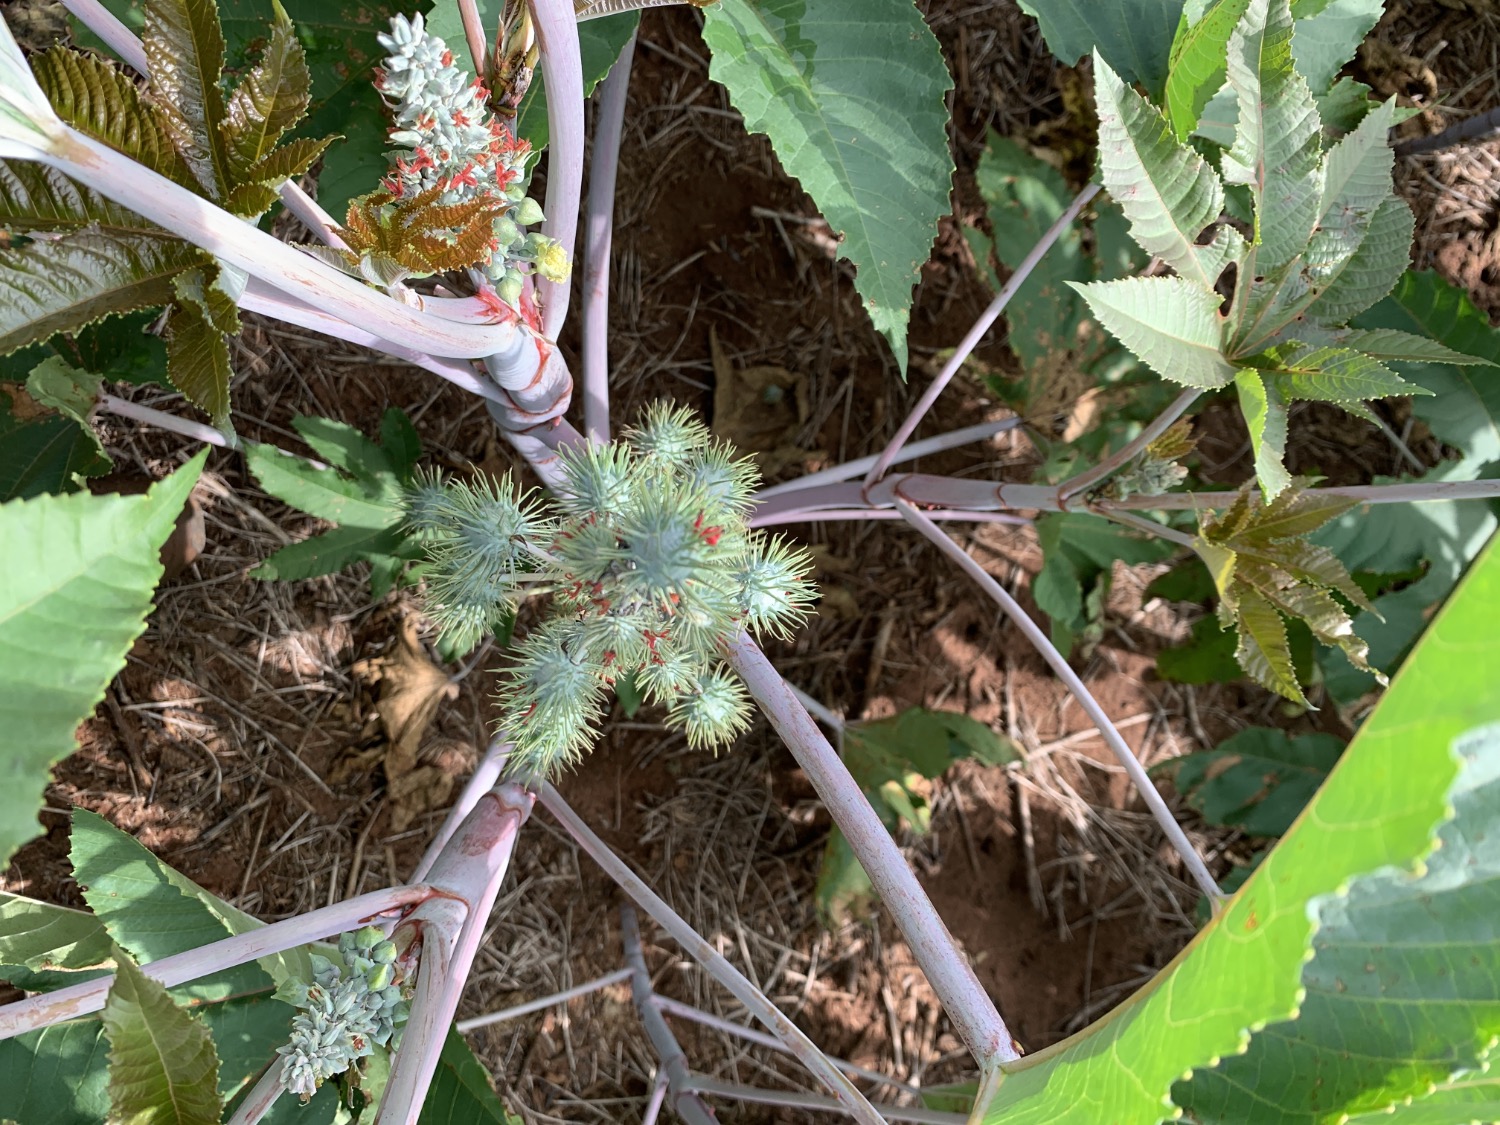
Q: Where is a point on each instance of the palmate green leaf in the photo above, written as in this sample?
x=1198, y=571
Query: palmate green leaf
x=891, y=759
x=1258, y=780
x=41, y=455
x=198, y=360
x=1378, y=809
x=269, y=100
x=56, y=1076
x=1328, y=34
x=66, y=283
x=332, y=551
x=46, y=938
x=460, y=1092
x=1464, y=411
x=1330, y=374
x=1357, y=180
x=153, y=911
x=1403, y=990
x=1471, y=1100
x=185, y=51
x=852, y=99
x=325, y=493
x=1277, y=142
x=1133, y=36
x=101, y=100
x=34, y=197
x=1025, y=196
x=1392, y=344
x=1171, y=324
x=163, y=1069
x=1371, y=272
x=71, y=559
x=1264, y=409
x=1167, y=191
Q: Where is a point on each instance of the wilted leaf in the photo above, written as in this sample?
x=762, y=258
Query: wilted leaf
x=760, y=411
x=73, y=394
x=412, y=688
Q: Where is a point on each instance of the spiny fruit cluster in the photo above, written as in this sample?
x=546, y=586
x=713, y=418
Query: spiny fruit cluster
x=456, y=145
x=347, y=1011
x=651, y=569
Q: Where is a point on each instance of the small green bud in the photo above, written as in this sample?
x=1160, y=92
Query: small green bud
x=509, y=289
x=529, y=212
x=384, y=953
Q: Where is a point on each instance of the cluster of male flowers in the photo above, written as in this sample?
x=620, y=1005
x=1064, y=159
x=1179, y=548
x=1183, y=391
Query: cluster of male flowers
x=347, y=1011
x=651, y=569
x=459, y=147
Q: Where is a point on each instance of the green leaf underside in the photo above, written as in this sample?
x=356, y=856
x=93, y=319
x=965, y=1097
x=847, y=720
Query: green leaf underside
x=1258, y=780
x=65, y=284
x=1133, y=36
x=1379, y=808
x=323, y=492
x=41, y=936
x=71, y=559
x=197, y=344
x=461, y=1093
x=1277, y=139
x=1403, y=990
x=34, y=197
x=163, y=1069
x=852, y=99
x=185, y=52
x=153, y=911
x=1171, y=324
x=43, y=454
x=1167, y=191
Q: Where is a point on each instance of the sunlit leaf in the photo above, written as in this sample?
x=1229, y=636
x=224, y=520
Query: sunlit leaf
x=185, y=51
x=1171, y=324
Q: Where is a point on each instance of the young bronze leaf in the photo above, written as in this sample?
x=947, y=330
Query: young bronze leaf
x=1265, y=572
x=63, y=284
x=420, y=234
x=286, y=163
x=97, y=98
x=185, y=50
x=272, y=98
x=198, y=360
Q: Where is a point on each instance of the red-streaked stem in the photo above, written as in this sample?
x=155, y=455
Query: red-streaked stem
x=468, y=874
x=851, y=469
x=609, y=127
x=259, y=297
x=1122, y=456
x=187, y=427
x=81, y=999
x=562, y=70
x=486, y=774
x=967, y=345
x=687, y=1105
x=749, y=1034
x=964, y=999
x=537, y=1005
x=117, y=37
x=794, y=1100
x=711, y=959
x=262, y=1096
x=468, y=12
x=816, y=514
x=442, y=327
x=1086, y=700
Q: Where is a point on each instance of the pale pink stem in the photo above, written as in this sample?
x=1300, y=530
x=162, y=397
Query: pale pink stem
x=323, y=226
x=657, y=1100
x=259, y=297
x=1162, y=423
x=198, y=431
x=468, y=11
x=469, y=871
x=562, y=71
x=817, y=514
x=688, y=1106
x=81, y=999
x=952, y=977
x=117, y=37
x=530, y=1006
x=262, y=1096
x=486, y=774
x=975, y=334
x=750, y=1035
x=711, y=959
x=609, y=127
x=1151, y=527
x=1414, y=492
x=442, y=327
x=851, y=469
x=791, y=1099
x=1039, y=640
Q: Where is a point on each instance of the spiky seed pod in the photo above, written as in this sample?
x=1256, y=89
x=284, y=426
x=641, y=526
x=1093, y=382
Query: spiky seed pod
x=596, y=480
x=552, y=697
x=671, y=673
x=773, y=589
x=667, y=436
x=723, y=482
x=668, y=543
x=713, y=714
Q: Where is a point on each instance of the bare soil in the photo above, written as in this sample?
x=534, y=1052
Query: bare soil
x=241, y=742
